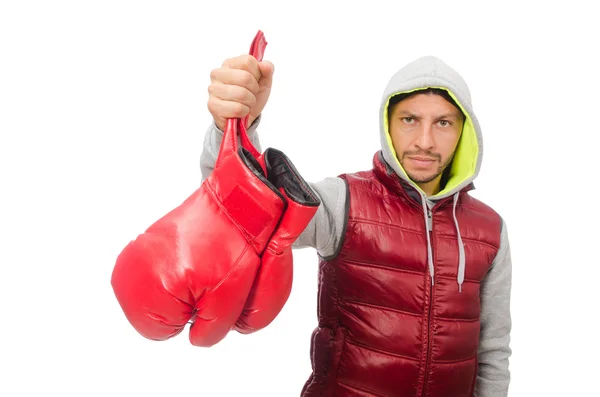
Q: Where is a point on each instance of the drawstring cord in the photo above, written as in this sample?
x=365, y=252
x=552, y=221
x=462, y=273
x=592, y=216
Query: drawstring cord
x=461, y=247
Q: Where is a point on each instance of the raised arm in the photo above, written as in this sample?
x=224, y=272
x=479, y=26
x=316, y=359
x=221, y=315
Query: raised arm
x=240, y=87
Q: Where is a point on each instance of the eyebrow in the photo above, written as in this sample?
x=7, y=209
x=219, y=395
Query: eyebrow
x=441, y=117
x=449, y=116
x=407, y=113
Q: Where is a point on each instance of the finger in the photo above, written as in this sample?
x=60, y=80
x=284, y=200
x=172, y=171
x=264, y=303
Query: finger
x=244, y=62
x=227, y=109
x=267, y=69
x=233, y=93
x=237, y=77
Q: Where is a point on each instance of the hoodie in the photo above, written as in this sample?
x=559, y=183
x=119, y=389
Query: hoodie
x=325, y=232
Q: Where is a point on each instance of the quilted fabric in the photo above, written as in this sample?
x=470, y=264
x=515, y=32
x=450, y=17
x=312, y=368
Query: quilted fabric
x=384, y=329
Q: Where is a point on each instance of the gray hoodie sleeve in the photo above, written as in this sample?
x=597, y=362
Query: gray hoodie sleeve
x=324, y=231
x=494, y=348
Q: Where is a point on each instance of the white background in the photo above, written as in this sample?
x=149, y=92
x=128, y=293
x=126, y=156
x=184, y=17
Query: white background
x=102, y=118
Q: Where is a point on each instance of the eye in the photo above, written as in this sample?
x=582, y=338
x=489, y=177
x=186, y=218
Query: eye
x=445, y=123
x=408, y=120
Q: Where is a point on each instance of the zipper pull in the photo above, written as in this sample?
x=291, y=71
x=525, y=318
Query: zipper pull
x=429, y=220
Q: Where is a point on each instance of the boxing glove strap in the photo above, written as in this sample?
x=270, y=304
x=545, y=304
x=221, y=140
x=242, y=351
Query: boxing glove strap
x=238, y=126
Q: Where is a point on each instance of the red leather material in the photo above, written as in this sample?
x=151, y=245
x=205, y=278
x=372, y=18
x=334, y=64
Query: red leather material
x=197, y=264
x=384, y=330
x=273, y=283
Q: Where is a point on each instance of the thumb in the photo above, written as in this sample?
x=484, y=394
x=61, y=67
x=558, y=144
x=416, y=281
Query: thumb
x=267, y=69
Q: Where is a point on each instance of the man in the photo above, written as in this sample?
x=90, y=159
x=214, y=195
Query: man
x=415, y=274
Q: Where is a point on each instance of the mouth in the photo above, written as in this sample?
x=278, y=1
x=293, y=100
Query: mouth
x=417, y=158
x=422, y=162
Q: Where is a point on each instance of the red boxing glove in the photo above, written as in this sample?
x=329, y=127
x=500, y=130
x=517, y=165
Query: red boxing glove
x=197, y=263
x=273, y=283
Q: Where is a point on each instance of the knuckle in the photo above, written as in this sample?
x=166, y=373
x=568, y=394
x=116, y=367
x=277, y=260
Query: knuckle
x=251, y=101
x=249, y=82
x=235, y=96
x=247, y=78
x=251, y=65
x=246, y=61
x=211, y=106
x=227, y=62
x=238, y=94
x=213, y=102
x=214, y=88
x=240, y=110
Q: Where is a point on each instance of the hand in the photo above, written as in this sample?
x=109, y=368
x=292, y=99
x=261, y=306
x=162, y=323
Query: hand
x=241, y=86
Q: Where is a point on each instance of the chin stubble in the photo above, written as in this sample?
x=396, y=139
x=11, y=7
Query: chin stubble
x=426, y=179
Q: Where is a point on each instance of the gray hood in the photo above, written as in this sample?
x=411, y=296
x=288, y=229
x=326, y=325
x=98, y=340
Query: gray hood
x=431, y=72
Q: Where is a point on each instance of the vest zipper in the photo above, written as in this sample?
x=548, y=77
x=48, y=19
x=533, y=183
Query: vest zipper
x=429, y=221
x=429, y=305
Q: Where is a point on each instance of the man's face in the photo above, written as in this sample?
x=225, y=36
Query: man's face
x=425, y=130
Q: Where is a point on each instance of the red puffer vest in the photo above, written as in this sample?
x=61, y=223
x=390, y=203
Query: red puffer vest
x=384, y=329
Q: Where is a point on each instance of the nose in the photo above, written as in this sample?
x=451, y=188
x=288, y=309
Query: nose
x=424, y=140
